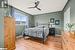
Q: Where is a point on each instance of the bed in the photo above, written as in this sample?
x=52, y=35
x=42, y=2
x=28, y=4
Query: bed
x=39, y=31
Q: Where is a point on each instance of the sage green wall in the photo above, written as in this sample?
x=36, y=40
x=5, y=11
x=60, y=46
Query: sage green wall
x=1, y=28
x=73, y=12
x=45, y=18
x=19, y=29
x=0, y=2
x=3, y=12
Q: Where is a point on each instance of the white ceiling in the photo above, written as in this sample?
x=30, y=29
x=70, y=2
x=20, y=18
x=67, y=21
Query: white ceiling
x=47, y=6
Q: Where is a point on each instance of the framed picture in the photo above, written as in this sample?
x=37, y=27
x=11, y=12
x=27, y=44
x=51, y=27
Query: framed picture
x=52, y=20
x=57, y=22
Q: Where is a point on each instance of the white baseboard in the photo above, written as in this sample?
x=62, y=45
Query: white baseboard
x=20, y=36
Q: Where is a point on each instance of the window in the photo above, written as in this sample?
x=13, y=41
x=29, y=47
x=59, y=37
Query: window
x=20, y=18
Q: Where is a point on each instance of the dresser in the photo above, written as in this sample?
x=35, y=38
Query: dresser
x=68, y=43
x=9, y=33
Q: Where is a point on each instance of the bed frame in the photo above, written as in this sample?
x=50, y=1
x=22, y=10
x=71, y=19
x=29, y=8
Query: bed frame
x=43, y=35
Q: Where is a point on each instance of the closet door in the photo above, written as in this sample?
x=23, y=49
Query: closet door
x=7, y=31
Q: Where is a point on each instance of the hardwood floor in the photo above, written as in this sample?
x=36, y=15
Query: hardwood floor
x=52, y=43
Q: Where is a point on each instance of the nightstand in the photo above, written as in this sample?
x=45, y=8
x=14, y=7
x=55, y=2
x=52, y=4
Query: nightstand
x=52, y=31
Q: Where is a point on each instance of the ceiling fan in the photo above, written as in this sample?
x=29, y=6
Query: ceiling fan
x=36, y=5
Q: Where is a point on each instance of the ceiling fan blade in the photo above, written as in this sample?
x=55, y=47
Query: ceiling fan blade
x=31, y=7
x=38, y=8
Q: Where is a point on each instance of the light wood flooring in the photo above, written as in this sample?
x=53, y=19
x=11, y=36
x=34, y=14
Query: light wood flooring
x=52, y=43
